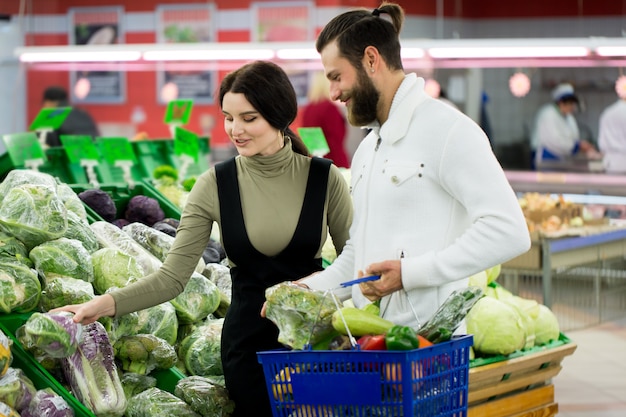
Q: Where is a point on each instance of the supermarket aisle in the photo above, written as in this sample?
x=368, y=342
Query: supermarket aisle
x=592, y=382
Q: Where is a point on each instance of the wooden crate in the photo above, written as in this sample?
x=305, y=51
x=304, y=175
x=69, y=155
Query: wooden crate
x=499, y=389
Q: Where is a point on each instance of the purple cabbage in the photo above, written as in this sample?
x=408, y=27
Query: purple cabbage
x=54, y=333
x=47, y=403
x=92, y=373
x=16, y=389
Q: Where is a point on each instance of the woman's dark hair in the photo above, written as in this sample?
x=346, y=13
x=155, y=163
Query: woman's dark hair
x=355, y=30
x=268, y=88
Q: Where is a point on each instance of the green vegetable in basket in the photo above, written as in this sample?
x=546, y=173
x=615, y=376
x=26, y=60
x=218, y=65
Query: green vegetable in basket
x=205, y=395
x=63, y=257
x=155, y=402
x=20, y=288
x=16, y=389
x=54, y=333
x=159, y=320
x=12, y=249
x=114, y=268
x=359, y=321
x=79, y=229
x=200, y=298
x=303, y=316
x=401, y=338
x=201, y=350
x=135, y=383
x=143, y=353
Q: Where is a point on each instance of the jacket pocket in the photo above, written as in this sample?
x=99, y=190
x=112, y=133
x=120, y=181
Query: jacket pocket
x=398, y=174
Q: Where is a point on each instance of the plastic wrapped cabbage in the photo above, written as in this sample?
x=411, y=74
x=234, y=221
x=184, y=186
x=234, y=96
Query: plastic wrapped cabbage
x=12, y=248
x=205, y=395
x=143, y=353
x=33, y=213
x=199, y=299
x=62, y=257
x=6, y=411
x=6, y=356
x=16, y=389
x=497, y=326
x=47, y=403
x=154, y=241
x=303, y=316
x=54, y=333
x=200, y=351
x=114, y=268
x=155, y=402
x=79, y=229
x=62, y=291
x=135, y=383
x=111, y=236
x=71, y=201
x=18, y=177
x=20, y=288
x=159, y=320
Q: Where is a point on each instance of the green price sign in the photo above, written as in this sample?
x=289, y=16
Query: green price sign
x=79, y=148
x=50, y=118
x=116, y=149
x=23, y=147
x=314, y=139
x=186, y=143
x=178, y=112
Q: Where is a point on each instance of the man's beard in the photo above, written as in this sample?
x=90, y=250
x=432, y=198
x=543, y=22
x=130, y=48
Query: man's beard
x=363, y=101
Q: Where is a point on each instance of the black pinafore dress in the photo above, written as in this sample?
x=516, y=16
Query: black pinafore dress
x=245, y=332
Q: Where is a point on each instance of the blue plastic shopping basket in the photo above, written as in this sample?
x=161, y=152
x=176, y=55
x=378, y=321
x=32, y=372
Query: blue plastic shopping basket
x=427, y=382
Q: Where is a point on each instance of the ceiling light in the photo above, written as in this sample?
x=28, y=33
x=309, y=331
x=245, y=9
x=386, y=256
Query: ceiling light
x=611, y=50
x=208, y=54
x=80, y=56
x=508, y=52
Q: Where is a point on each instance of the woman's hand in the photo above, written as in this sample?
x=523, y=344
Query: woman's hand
x=85, y=313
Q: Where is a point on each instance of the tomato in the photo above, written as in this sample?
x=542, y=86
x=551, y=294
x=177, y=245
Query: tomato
x=372, y=342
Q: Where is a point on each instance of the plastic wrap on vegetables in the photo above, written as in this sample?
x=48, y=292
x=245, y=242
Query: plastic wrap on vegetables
x=71, y=201
x=47, y=403
x=62, y=257
x=303, y=316
x=199, y=299
x=143, y=353
x=62, y=291
x=111, y=236
x=155, y=402
x=6, y=357
x=16, y=389
x=20, y=288
x=18, y=177
x=92, y=373
x=114, y=268
x=154, y=241
x=79, y=229
x=54, y=333
x=200, y=351
x=205, y=395
x=135, y=383
x=33, y=213
x=159, y=320
x=11, y=248
x=7, y=411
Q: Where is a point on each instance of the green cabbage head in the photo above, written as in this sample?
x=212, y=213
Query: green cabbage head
x=20, y=288
x=546, y=326
x=63, y=257
x=497, y=326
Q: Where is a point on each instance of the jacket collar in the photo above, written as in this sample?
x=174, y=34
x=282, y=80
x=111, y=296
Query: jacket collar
x=409, y=95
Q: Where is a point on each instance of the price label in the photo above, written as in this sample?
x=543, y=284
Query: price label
x=23, y=147
x=178, y=112
x=186, y=143
x=314, y=139
x=79, y=148
x=50, y=118
x=116, y=149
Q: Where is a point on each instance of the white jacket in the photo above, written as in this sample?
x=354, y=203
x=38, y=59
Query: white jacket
x=612, y=137
x=555, y=132
x=427, y=188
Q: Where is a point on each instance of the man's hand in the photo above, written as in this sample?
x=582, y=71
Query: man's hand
x=390, y=279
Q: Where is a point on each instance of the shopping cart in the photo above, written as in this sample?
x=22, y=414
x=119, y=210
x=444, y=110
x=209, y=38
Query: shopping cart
x=426, y=382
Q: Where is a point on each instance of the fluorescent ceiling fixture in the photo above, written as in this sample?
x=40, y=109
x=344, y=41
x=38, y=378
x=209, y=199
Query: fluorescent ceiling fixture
x=298, y=53
x=208, y=54
x=611, y=50
x=509, y=52
x=83, y=56
x=412, y=53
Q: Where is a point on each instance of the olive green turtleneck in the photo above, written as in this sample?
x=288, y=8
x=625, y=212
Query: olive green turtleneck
x=272, y=191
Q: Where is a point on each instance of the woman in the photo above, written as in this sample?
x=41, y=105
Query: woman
x=274, y=205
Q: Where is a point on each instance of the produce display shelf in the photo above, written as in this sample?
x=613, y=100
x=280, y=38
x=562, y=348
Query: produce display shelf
x=533, y=402
x=122, y=194
x=519, y=373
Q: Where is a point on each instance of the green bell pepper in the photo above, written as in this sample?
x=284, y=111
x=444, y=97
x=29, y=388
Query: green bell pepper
x=401, y=338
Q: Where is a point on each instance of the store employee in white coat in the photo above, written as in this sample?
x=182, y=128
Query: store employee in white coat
x=612, y=137
x=556, y=136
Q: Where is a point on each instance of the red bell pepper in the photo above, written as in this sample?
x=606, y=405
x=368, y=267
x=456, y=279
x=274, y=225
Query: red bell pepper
x=372, y=342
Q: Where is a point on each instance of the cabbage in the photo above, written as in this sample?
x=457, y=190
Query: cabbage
x=479, y=280
x=113, y=268
x=493, y=273
x=54, y=333
x=497, y=327
x=546, y=326
x=200, y=298
x=20, y=288
x=62, y=257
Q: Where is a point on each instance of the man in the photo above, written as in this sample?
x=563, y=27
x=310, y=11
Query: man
x=432, y=204
x=556, y=136
x=77, y=122
x=612, y=137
